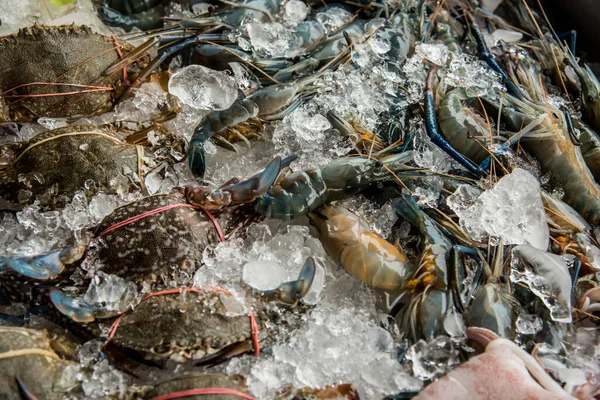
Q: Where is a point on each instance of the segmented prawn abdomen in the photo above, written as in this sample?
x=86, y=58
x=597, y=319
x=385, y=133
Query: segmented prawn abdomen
x=296, y=195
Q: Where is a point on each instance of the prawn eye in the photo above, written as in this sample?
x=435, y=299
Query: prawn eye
x=590, y=99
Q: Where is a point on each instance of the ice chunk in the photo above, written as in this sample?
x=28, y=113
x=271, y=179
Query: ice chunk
x=436, y=53
x=475, y=75
x=264, y=275
x=490, y=5
x=512, y=210
x=98, y=378
x=591, y=251
x=433, y=359
x=463, y=198
x=335, y=346
x=307, y=133
x=454, y=325
x=111, y=292
x=506, y=35
x=247, y=82
x=52, y=123
x=333, y=18
x=103, y=204
x=76, y=214
x=547, y=276
x=294, y=12
x=274, y=40
x=203, y=88
x=381, y=219
x=529, y=324
x=264, y=261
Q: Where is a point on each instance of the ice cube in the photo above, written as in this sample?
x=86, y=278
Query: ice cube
x=547, y=276
x=512, y=210
x=294, y=12
x=333, y=18
x=112, y=292
x=203, y=88
x=273, y=39
x=52, y=123
x=529, y=324
x=103, y=204
x=264, y=275
x=432, y=359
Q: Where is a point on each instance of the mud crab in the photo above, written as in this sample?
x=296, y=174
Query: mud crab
x=32, y=363
x=142, y=242
x=63, y=160
x=194, y=324
x=201, y=385
x=58, y=72
x=142, y=239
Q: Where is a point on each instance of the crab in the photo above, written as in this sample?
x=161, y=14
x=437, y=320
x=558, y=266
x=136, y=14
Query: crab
x=145, y=238
x=201, y=384
x=142, y=242
x=58, y=72
x=206, y=325
x=32, y=364
x=193, y=325
x=63, y=160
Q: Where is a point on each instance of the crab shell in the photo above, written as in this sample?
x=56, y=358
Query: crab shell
x=36, y=362
x=63, y=54
x=68, y=157
x=184, y=326
x=150, y=235
x=200, y=381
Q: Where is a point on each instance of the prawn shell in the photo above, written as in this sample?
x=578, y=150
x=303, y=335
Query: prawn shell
x=360, y=251
x=464, y=129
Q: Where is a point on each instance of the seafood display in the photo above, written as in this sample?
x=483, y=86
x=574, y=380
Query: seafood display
x=294, y=199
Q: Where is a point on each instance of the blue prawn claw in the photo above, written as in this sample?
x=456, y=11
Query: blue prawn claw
x=44, y=267
x=238, y=192
x=292, y=292
x=75, y=308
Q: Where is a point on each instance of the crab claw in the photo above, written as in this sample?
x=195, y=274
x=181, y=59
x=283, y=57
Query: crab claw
x=77, y=309
x=291, y=293
x=24, y=392
x=239, y=192
x=46, y=266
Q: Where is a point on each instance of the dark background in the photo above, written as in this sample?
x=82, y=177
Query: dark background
x=582, y=16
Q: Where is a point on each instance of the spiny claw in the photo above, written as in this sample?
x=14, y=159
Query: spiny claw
x=240, y=192
x=44, y=267
x=291, y=293
x=77, y=309
x=24, y=392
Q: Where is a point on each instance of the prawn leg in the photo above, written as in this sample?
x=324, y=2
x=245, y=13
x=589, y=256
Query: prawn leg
x=434, y=133
x=485, y=55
